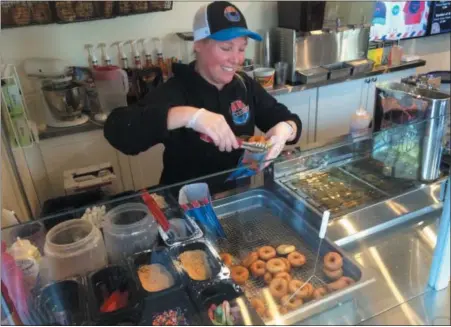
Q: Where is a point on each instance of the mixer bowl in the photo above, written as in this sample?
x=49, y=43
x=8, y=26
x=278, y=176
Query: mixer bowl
x=65, y=102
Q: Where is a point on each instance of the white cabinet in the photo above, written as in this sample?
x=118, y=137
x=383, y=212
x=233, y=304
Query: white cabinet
x=336, y=104
x=146, y=167
x=77, y=151
x=302, y=104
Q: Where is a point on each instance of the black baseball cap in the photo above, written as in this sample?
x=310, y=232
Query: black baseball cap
x=221, y=21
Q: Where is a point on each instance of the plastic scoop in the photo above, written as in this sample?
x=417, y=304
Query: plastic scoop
x=155, y=210
x=322, y=233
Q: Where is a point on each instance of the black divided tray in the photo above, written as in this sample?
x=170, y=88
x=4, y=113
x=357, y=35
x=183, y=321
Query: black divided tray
x=110, y=279
x=218, y=270
x=221, y=292
x=62, y=303
x=156, y=256
x=176, y=300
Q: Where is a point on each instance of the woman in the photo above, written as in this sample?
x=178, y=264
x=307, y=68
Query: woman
x=209, y=97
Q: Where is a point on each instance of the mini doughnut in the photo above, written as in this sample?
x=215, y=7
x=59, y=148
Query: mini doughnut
x=306, y=292
x=291, y=304
x=259, y=306
x=250, y=259
x=269, y=314
x=334, y=275
x=266, y=253
x=275, y=266
x=294, y=285
x=267, y=277
x=278, y=287
x=319, y=292
x=227, y=259
x=258, y=268
x=333, y=261
x=342, y=282
x=284, y=275
x=283, y=310
x=296, y=259
x=257, y=138
x=239, y=274
x=287, y=263
x=285, y=249
x=348, y=280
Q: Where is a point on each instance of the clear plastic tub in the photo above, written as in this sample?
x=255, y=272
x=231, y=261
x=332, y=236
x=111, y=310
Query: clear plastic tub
x=128, y=229
x=180, y=230
x=74, y=247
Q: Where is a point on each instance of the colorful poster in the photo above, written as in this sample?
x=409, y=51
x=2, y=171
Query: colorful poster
x=394, y=20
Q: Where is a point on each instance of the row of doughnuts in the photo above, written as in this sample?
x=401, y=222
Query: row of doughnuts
x=275, y=271
x=290, y=297
x=264, y=263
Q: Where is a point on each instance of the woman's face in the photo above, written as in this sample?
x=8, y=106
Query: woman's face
x=219, y=60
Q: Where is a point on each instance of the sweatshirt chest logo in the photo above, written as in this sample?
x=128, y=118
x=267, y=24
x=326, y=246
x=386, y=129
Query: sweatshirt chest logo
x=240, y=112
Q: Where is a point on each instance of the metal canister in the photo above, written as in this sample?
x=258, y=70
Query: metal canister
x=435, y=130
x=427, y=126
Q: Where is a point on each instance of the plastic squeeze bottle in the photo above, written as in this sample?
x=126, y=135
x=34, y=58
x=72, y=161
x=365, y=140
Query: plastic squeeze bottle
x=27, y=258
x=360, y=123
x=13, y=281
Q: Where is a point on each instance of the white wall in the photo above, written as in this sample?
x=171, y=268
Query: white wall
x=67, y=41
x=434, y=49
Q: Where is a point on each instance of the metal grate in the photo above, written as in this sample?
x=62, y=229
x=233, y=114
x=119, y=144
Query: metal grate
x=256, y=227
x=333, y=190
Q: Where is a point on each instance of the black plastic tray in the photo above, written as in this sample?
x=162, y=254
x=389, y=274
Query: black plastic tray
x=218, y=270
x=160, y=256
x=175, y=299
x=68, y=297
x=114, y=277
x=221, y=292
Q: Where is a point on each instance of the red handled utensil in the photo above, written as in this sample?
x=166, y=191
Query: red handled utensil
x=250, y=146
x=155, y=210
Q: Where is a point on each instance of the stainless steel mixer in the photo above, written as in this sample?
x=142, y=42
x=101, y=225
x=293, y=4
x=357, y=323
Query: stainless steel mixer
x=64, y=99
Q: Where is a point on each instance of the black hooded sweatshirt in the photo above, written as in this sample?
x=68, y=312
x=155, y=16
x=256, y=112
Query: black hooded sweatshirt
x=243, y=103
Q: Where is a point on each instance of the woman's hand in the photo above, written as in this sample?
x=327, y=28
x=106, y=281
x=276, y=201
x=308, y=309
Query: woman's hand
x=278, y=136
x=216, y=127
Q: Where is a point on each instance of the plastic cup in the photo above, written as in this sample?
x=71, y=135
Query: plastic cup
x=281, y=73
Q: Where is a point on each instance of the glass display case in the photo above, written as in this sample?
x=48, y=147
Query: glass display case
x=249, y=252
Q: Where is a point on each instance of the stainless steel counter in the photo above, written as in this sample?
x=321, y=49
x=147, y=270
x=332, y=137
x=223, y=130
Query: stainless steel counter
x=400, y=259
x=398, y=256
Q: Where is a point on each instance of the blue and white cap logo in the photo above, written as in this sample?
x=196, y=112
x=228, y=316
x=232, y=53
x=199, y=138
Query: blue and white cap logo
x=232, y=14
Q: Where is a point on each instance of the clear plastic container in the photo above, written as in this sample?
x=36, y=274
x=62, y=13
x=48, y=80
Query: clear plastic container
x=34, y=232
x=128, y=229
x=360, y=123
x=180, y=230
x=74, y=247
x=112, y=87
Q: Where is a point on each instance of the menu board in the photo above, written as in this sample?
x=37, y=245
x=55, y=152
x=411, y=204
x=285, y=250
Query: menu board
x=440, y=17
x=397, y=20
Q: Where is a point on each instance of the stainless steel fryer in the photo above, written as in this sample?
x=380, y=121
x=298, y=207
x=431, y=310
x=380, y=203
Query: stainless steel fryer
x=317, y=189
x=256, y=218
